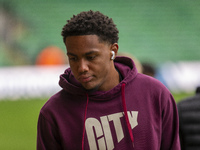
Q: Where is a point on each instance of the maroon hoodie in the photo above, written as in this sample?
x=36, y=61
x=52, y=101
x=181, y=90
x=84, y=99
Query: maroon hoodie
x=139, y=113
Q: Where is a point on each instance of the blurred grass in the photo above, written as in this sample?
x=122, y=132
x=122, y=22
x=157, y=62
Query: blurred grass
x=180, y=96
x=18, y=122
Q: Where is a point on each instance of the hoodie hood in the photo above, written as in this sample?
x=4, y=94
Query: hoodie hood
x=124, y=65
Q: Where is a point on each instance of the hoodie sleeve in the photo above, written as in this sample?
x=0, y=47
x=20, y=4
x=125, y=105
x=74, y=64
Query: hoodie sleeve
x=170, y=126
x=46, y=135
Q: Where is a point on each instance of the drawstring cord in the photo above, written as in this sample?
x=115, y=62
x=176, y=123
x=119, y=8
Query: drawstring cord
x=126, y=114
x=84, y=122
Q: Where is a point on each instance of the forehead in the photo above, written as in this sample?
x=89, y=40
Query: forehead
x=84, y=42
x=82, y=38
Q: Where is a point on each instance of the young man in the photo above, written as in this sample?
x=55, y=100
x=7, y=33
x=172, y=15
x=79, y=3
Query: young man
x=105, y=104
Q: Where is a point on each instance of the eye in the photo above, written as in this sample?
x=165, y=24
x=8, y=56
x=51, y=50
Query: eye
x=72, y=58
x=92, y=57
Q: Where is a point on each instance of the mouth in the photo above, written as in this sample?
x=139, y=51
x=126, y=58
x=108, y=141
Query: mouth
x=85, y=79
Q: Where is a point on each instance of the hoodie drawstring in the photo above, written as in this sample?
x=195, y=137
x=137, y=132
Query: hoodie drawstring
x=126, y=114
x=85, y=114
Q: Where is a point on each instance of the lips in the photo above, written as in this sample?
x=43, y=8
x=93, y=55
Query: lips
x=84, y=79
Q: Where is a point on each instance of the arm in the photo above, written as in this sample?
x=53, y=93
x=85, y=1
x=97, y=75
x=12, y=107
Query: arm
x=47, y=137
x=170, y=126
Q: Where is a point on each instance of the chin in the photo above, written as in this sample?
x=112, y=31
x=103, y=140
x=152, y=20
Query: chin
x=92, y=88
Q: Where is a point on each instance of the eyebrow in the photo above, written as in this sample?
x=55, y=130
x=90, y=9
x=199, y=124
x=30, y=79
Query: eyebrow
x=91, y=52
x=88, y=53
x=68, y=53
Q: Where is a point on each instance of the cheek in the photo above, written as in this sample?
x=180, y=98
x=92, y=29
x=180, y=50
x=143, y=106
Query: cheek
x=73, y=69
x=101, y=68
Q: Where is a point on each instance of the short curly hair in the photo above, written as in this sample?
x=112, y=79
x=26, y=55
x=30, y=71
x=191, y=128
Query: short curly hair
x=91, y=23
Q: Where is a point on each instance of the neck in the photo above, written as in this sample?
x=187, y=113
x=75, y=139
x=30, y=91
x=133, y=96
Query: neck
x=113, y=80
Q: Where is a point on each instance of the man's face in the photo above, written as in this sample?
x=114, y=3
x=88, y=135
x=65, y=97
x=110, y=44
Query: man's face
x=90, y=61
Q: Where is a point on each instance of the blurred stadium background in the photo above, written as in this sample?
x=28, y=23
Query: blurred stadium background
x=165, y=34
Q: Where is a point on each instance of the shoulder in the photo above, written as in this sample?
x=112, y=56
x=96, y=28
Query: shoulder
x=152, y=89
x=53, y=103
x=145, y=81
x=63, y=101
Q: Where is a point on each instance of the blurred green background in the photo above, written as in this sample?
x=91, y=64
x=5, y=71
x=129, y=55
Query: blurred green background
x=153, y=31
x=156, y=31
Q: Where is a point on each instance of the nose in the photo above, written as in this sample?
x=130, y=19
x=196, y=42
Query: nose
x=83, y=66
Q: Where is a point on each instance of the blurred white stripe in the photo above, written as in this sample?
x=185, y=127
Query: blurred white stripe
x=181, y=76
x=29, y=81
x=42, y=81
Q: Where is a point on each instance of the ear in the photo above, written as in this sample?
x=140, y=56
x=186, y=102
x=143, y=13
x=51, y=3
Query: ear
x=114, y=50
x=115, y=47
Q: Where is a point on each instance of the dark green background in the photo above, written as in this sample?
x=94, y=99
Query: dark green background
x=155, y=31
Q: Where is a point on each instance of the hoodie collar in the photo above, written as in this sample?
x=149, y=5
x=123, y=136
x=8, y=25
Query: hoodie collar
x=124, y=65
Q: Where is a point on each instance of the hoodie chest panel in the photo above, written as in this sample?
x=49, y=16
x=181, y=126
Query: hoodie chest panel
x=106, y=127
x=106, y=132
